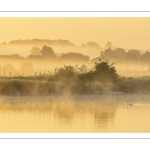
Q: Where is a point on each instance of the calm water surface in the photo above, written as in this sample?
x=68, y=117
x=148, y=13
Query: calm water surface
x=75, y=114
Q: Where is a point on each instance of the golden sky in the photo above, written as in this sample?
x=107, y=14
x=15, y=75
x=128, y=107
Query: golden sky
x=122, y=32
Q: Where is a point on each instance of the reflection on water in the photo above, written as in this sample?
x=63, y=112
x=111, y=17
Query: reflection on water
x=75, y=114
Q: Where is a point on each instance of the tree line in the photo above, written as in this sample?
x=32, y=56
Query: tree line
x=114, y=54
x=120, y=55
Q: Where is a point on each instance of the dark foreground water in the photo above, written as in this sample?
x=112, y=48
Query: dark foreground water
x=88, y=113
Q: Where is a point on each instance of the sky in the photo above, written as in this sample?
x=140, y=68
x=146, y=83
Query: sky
x=128, y=33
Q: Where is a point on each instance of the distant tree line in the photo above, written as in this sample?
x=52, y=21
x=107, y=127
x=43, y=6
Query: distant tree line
x=120, y=55
x=114, y=54
x=47, y=53
x=59, y=42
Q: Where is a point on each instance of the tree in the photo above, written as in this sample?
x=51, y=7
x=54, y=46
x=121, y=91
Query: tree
x=47, y=52
x=145, y=57
x=116, y=54
x=108, y=53
x=75, y=57
x=35, y=51
x=119, y=53
x=66, y=71
x=93, y=44
x=108, y=45
x=133, y=54
x=104, y=70
x=66, y=74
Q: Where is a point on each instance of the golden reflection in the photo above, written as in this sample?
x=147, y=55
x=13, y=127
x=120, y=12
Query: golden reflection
x=54, y=115
x=75, y=114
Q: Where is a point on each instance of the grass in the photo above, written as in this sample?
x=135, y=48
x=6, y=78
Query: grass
x=102, y=78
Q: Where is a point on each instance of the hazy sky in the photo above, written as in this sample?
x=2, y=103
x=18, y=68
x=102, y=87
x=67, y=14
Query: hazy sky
x=122, y=32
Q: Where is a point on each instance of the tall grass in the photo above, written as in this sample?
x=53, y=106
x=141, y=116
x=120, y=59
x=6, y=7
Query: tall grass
x=101, y=79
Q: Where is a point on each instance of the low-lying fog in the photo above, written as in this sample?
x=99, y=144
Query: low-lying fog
x=86, y=113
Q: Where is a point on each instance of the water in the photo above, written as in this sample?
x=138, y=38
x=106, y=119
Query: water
x=107, y=113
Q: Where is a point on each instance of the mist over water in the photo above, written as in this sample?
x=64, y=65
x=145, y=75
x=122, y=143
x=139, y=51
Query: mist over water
x=105, y=113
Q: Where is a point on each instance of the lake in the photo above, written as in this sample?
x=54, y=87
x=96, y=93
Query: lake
x=86, y=113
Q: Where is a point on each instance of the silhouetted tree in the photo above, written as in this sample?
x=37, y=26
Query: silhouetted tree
x=133, y=54
x=47, y=52
x=67, y=74
x=74, y=57
x=145, y=57
x=93, y=44
x=108, y=53
x=119, y=53
x=35, y=51
x=109, y=45
x=66, y=71
x=105, y=70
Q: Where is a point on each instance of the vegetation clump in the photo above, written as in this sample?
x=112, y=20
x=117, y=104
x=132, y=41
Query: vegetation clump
x=101, y=79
